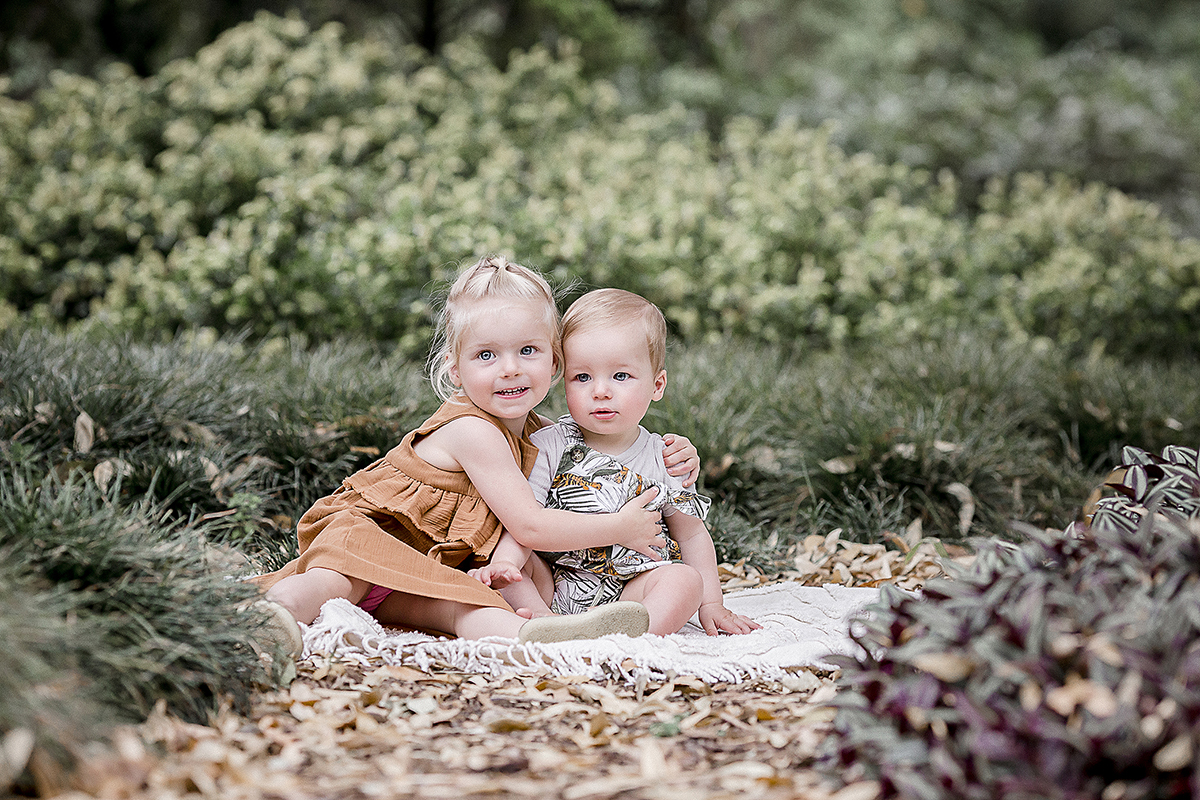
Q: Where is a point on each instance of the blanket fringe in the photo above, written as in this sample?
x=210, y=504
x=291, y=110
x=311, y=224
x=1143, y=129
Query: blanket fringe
x=792, y=640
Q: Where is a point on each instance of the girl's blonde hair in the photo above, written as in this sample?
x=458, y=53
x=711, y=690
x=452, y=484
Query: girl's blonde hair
x=619, y=308
x=491, y=277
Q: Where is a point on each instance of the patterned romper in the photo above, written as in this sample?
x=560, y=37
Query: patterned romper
x=589, y=481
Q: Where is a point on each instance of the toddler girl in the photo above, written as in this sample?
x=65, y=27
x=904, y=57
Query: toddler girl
x=398, y=536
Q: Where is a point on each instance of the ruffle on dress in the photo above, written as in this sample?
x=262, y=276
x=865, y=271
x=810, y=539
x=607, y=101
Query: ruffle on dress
x=444, y=514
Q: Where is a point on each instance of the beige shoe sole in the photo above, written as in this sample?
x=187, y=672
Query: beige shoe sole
x=623, y=616
x=280, y=628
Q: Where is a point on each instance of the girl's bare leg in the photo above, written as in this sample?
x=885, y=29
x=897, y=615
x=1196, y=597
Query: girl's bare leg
x=671, y=593
x=304, y=593
x=465, y=621
x=531, y=595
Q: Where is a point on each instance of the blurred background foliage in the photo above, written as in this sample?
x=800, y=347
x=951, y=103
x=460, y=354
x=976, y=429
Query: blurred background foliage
x=288, y=181
x=1100, y=91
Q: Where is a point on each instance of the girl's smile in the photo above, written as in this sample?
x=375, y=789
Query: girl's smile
x=505, y=363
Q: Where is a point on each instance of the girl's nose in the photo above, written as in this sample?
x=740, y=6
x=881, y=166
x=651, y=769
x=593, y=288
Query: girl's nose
x=510, y=364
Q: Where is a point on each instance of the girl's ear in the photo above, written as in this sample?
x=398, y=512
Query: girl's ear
x=660, y=385
x=453, y=370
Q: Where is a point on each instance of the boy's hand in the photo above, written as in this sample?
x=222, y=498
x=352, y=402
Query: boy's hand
x=681, y=458
x=497, y=575
x=715, y=617
x=641, y=525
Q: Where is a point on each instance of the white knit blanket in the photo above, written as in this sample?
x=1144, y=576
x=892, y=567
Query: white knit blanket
x=802, y=627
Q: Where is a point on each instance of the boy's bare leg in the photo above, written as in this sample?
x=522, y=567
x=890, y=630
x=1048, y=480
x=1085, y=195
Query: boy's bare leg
x=671, y=593
x=531, y=595
x=304, y=593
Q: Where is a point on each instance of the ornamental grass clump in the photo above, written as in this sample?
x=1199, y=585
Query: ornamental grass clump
x=1066, y=667
x=107, y=611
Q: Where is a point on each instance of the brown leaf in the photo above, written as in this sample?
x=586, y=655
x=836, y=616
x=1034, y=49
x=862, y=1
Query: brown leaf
x=839, y=466
x=507, y=724
x=863, y=790
x=15, y=749
x=85, y=433
x=1175, y=755
x=948, y=667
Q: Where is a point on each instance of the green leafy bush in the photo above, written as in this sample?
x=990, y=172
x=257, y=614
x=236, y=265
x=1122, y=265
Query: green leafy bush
x=288, y=181
x=1102, y=92
x=1065, y=667
x=1086, y=266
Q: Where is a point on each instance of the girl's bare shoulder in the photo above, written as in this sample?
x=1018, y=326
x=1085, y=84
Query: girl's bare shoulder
x=448, y=445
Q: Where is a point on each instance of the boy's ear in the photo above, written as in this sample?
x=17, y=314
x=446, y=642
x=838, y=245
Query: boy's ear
x=660, y=385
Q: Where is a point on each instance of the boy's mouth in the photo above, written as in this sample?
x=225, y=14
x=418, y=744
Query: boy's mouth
x=604, y=413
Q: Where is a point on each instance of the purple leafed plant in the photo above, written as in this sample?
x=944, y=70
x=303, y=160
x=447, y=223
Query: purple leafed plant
x=1065, y=667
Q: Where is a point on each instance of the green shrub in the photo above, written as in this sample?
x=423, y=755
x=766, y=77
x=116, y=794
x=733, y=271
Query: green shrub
x=291, y=182
x=1102, y=92
x=1061, y=668
x=193, y=425
x=1097, y=406
x=1086, y=267
x=43, y=688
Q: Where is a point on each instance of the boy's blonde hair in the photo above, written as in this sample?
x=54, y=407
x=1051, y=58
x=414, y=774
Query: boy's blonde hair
x=617, y=307
x=489, y=278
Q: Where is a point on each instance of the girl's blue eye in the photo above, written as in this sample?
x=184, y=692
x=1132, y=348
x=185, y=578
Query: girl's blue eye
x=486, y=355
x=621, y=376
x=528, y=350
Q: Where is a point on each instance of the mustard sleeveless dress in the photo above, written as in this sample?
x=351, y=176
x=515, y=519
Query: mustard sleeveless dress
x=407, y=525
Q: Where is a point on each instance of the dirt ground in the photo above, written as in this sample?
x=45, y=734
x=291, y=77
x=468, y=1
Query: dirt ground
x=346, y=731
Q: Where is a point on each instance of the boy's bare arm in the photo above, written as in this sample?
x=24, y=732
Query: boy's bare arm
x=681, y=458
x=696, y=546
x=504, y=568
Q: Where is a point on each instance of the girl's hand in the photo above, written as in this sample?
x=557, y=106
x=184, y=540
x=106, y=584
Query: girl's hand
x=681, y=458
x=497, y=574
x=715, y=617
x=641, y=529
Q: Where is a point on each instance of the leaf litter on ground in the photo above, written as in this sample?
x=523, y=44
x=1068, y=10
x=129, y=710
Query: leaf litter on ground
x=351, y=731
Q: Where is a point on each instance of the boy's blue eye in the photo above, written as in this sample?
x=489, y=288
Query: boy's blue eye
x=583, y=377
x=621, y=376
